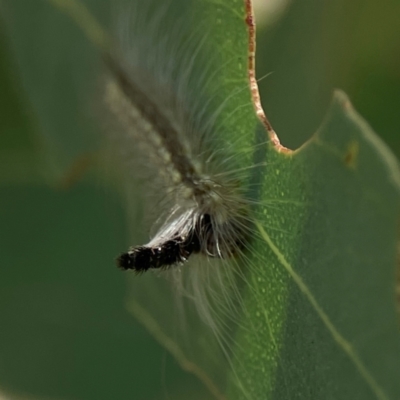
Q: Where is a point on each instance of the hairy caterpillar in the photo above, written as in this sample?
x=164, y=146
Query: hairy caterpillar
x=180, y=120
x=208, y=215
x=208, y=199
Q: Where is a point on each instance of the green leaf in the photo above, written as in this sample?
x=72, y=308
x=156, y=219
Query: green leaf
x=322, y=302
x=320, y=315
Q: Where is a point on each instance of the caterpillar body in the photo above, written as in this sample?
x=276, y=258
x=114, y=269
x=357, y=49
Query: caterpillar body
x=208, y=207
x=182, y=125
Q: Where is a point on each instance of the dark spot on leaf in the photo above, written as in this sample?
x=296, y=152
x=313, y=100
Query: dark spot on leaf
x=351, y=155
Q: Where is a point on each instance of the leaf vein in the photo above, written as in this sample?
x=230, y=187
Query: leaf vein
x=337, y=336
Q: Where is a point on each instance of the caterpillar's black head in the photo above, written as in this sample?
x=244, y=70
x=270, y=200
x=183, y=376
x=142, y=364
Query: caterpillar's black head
x=163, y=255
x=139, y=259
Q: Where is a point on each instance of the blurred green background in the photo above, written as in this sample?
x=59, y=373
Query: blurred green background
x=64, y=331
